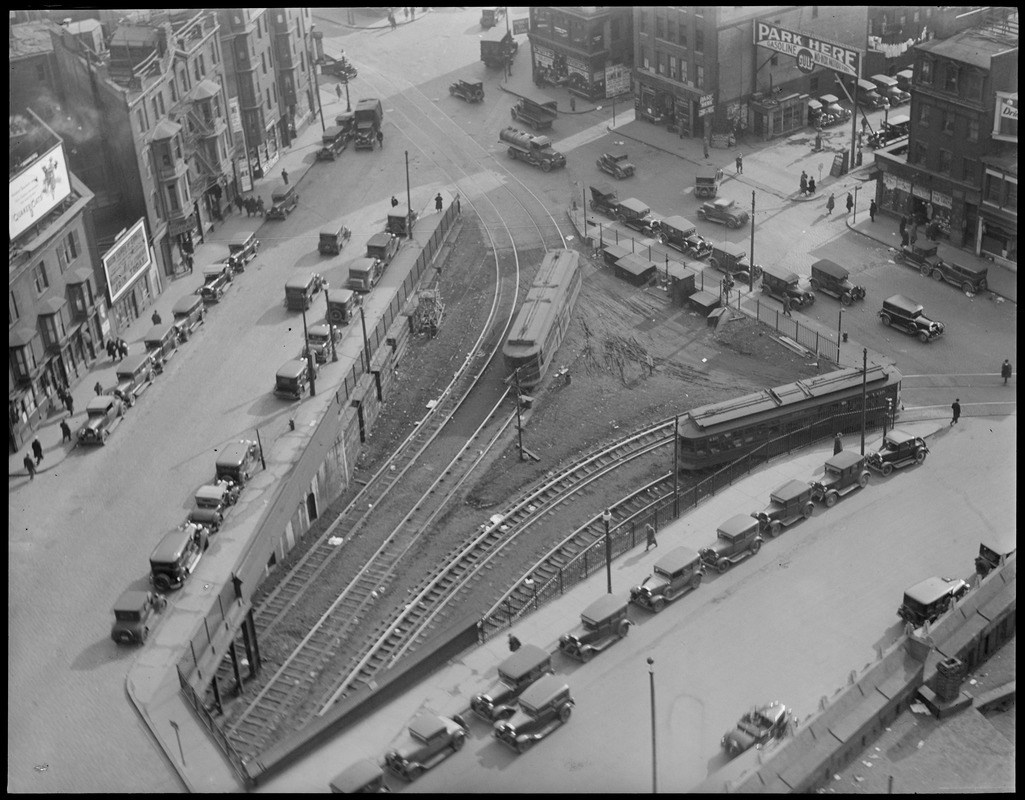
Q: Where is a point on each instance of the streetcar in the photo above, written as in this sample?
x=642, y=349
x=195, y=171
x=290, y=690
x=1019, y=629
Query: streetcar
x=543, y=319
x=720, y=433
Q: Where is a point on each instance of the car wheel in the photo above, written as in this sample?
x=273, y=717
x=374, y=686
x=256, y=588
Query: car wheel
x=658, y=604
x=886, y=469
x=983, y=285
x=924, y=269
x=732, y=223
x=967, y=289
x=663, y=239
x=414, y=772
x=586, y=654
x=937, y=275
x=846, y=299
x=162, y=583
x=701, y=214
x=923, y=337
x=458, y=741
x=756, y=545
x=920, y=456
x=885, y=319
x=722, y=565
x=565, y=712
x=623, y=629
x=814, y=284
x=863, y=479
x=144, y=636
x=714, y=264
x=521, y=746
x=808, y=510
x=697, y=580
x=831, y=499
x=546, y=166
x=774, y=530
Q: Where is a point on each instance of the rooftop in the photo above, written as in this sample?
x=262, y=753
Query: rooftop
x=975, y=46
x=30, y=39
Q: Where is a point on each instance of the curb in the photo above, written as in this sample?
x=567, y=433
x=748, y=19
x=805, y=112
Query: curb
x=507, y=90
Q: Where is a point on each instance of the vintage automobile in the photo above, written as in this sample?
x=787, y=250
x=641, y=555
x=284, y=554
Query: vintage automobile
x=364, y=274
x=896, y=127
x=921, y=256
x=242, y=252
x=890, y=89
x=341, y=305
x=931, y=599
x=901, y=312
x=471, y=92
x=780, y=282
x=731, y=258
x=832, y=112
x=237, y=462
x=318, y=341
x=971, y=280
x=725, y=212
x=545, y=706
x=636, y=215
x=292, y=380
x=363, y=777
x=868, y=95
x=161, y=342
x=682, y=234
x=737, y=538
x=602, y=623
x=515, y=675
x=188, y=315
x=383, y=246
x=212, y=504
x=334, y=142
x=830, y=278
x=994, y=550
x=401, y=221
x=814, y=112
x=706, y=182
x=616, y=165
x=757, y=727
x=284, y=200
x=432, y=739
x=103, y=414
x=135, y=613
x=844, y=473
x=898, y=450
x=216, y=280
x=787, y=504
x=338, y=67
x=905, y=79
x=603, y=199
x=674, y=574
x=301, y=290
x=333, y=239
x=134, y=375
x=177, y=555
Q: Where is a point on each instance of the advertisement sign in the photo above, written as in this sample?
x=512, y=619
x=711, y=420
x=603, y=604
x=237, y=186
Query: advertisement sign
x=126, y=260
x=617, y=80
x=521, y=26
x=942, y=200
x=37, y=189
x=706, y=105
x=921, y=192
x=809, y=51
x=1005, y=121
x=234, y=115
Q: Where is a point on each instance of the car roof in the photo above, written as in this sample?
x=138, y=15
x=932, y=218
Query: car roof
x=979, y=272
x=527, y=658
x=880, y=78
x=236, y=451
x=781, y=273
x=321, y=328
x=292, y=368
x=737, y=524
x=131, y=600
x=905, y=303
x=679, y=223
x=186, y=304
x=170, y=548
x=158, y=332
x=831, y=268
x=543, y=690
x=898, y=436
x=365, y=263
x=829, y=99
x=300, y=282
x=844, y=459
x=676, y=559
x=427, y=726
x=605, y=606
x=722, y=202
x=733, y=248
x=129, y=364
x=356, y=776
x=866, y=85
x=635, y=205
x=813, y=103
x=602, y=189
x=930, y=589
x=790, y=490
x=212, y=491
x=383, y=237
x=100, y=403
x=898, y=119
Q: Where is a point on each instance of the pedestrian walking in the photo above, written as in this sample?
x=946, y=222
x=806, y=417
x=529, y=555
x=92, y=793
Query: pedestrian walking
x=391, y=20
x=786, y=306
x=1005, y=371
x=514, y=643
x=259, y=208
x=864, y=124
x=338, y=91
x=110, y=349
x=804, y=183
x=872, y=209
x=903, y=224
x=61, y=394
x=239, y=203
x=30, y=467
x=850, y=202
x=955, y=407
x=69, y=403
x=811, y=185
x=740, y=163
x=405, y=10
x=913, y=233
x=705, y=143
x=284, y=176
x=394, y=201
x=649, y=532
x=380, y=138
x=837, y=444
x=156, y=317
x=831, y=203
x=98, y=388
x=187, y=261
x=65, y=431
x=438, y=202
x=37, y=450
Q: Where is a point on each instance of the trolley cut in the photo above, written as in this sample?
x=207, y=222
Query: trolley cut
x=543, y=319
x=717, y=434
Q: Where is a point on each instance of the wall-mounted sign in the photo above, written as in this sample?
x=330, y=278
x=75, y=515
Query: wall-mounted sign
x=809, y=51
x=521, y=26
x=126, y=260
x=37, y=189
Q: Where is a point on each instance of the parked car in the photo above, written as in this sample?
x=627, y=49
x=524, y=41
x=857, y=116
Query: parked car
x=103, y=414
x=706, y=181
x=471, y=92
x=237, y=462
x=737, y=538
x=212, y=504
x=616, y=165
x=177, y=555
x=674, y=574
x=994, y=550
x=844, y=473
x=318, y=341
x=293, y=378
x=284, y=200
x=931, y=599
x=383, y=246
x=135, y=613
x=545, y=706
x=216, y=280
x=731, y=258
x=830, y=278
x=921, y=256
x=898, y=450
x=636, y=215
x=242, y=251
x=602, y=623
x=188, y=315
x=682, y=234
x=971, y=280
x=725, y=212
x=758, y=727
x=604, y=199
x=363, y=777
x=907, y=315
x=787, y=504
x=134, y=375
x=432, y=739
x=780, y=282
x=515, y=675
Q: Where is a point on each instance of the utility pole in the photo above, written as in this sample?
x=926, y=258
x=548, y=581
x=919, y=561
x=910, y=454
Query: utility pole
x=310, y=362
x=519, y=420
x=409, y=202
x=864, y=394
x=751, y=274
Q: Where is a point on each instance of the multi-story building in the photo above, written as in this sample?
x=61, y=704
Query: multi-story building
x=55, y=313
x=290, y=29
x=960, y=166
x=588, y=49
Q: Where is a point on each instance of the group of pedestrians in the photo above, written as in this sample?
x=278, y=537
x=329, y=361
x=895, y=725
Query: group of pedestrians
x=252, y=205
x=117, y=349
x=807, y=184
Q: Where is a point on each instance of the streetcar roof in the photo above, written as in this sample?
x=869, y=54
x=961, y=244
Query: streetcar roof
x=750, y=406
x=545, y=298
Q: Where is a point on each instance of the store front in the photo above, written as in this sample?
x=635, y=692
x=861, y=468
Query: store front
x=778, y=116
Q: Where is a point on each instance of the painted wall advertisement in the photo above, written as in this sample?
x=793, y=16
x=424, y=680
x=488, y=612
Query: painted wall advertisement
x=126, y=260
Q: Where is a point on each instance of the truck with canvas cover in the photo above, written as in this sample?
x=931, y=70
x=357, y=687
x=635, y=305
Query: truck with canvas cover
x=538, y=116
x=369, y=115
x=498, y=48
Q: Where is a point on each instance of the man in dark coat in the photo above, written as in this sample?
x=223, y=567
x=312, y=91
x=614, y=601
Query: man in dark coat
x=37, y=450
x=955, y=407
x=837, y=444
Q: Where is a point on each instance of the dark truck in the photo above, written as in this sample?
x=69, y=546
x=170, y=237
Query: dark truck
x=545, y=706
x=535, y=150
x=465, y=90
x=515, y=675
x=368, y=115
x=604, y=199
x=498, y=50
x=338, y=67
x=538, y=116
x=931, y=599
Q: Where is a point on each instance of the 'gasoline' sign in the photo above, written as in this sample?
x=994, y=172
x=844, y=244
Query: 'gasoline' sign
x=809, y=52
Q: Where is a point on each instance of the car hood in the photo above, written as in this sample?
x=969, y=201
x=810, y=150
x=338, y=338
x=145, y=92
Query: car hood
x=653, y=584
x=737, y=741
x=517, y=721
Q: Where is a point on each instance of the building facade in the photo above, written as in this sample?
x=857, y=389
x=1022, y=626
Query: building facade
x=290, y=29
x=55, y=310
x=960, y=168
x=588, y=49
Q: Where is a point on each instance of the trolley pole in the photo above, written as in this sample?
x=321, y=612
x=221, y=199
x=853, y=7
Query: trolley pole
x=864, y=394
x=751, y=274
x=676, y=466
x=409, y=203
x=654, y=749
x=606, y=517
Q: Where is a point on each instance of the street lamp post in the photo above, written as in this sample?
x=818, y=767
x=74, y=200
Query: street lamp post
x=330, y=326
x=654, y=750
x=839, y=335
x=309, y=358
x=348, y=105
x=606, y=517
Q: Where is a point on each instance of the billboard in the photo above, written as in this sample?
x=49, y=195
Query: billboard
x=809, y=51
x=126, y=260
x=37, y=189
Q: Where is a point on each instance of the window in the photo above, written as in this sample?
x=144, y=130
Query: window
x=263, y=63
x=918, y=153
x=946, y=159
x=172, y=198
x=670, y=30
x=13, y=314
x=202, y=65
x=156, y=108
x=699, y=76
x=642, y=22
x=53, y=328
x=924, y=113
x=683, y=71
x=925, y=72
x=23, y=361
x=39, y=278
x=950, y=75
x=174, y=90
x=699, y=40
x=661, y=67
x=673, y=68
x=195, y=70
x=140, y=120
x=268, y=97
x=948, y=123
x=814, y=12
x=970, y=171
x=973, y=130
x=683, y=35
x=660, y=28
x=971, y=84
